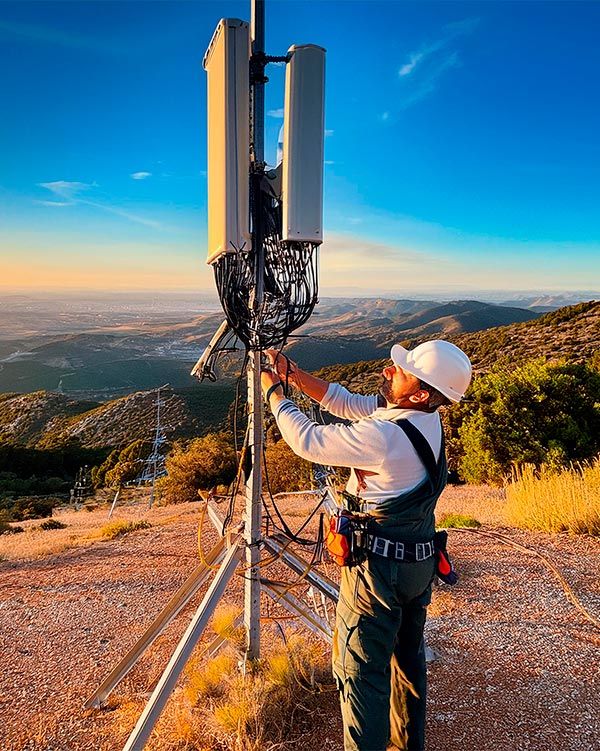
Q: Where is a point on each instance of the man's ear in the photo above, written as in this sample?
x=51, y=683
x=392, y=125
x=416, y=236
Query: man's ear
x=419, y=397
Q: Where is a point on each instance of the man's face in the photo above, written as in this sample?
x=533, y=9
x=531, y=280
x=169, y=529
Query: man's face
x=398, y=385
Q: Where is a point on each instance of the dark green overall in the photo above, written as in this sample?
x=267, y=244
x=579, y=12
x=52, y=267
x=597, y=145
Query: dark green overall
x=378, y=649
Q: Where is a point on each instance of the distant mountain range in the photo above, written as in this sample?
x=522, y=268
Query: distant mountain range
x=142, y=353
x=362, y=329
x=46, y=419
x=571, y=333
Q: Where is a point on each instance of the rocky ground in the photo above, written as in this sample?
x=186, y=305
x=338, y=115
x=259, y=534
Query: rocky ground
x=516, y=667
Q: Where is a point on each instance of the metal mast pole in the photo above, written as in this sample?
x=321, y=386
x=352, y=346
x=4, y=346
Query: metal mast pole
x=252, y=529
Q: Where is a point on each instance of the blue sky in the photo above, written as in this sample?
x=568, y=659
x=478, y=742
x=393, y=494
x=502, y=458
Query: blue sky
x=462, y=148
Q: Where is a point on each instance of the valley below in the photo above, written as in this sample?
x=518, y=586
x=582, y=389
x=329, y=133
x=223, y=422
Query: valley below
x=102, y=350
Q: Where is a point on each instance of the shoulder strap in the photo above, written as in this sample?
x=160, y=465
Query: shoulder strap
x=422, y=447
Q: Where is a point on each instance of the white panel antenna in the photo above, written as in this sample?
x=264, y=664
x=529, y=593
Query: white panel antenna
x=304, y=127
x=228, y=103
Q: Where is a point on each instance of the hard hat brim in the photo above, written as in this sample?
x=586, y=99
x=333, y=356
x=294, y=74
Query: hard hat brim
x=399, y=357
x=403, y=358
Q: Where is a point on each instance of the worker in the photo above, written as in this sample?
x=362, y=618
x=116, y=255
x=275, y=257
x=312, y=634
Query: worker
x=395, y=449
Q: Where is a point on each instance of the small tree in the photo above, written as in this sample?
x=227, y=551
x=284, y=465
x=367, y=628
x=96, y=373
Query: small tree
x=121, y=466
x=98, y=473
x=121, y=473
x=538, y=413
x=202, y=464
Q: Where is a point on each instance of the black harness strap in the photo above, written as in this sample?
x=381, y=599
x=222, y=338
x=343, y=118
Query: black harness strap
x=423, y=449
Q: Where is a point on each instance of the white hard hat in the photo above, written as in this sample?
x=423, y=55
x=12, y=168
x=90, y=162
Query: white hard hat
x=439, y=363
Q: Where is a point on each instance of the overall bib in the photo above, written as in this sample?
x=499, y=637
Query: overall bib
x=378, y=648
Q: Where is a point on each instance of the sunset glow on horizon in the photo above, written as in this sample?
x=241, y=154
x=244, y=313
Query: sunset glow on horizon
x=433, y=177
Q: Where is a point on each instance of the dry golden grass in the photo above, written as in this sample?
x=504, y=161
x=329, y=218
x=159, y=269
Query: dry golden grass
x=120, y=527
x=83, y=527
x=481, y=502
x=223, y=710
x=223, y=624
x=206, y=681
x=178, y=728
x=551, y=501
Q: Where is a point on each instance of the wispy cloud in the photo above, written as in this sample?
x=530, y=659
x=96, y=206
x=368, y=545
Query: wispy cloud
x=276, y=113
x=65, y=190
x=140, y=175
x=126, y=215
x=69, y=193
x=427, y=83
x=328, y=132
x=54, y=36
x=419, y=75
x=414, y=59
x=384, y=116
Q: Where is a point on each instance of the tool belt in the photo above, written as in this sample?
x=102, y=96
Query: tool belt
x=347, y=537
x=349, y=542
x=400, y=551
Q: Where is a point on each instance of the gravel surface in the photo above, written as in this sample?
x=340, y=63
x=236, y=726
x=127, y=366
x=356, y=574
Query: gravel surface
x=517, y=665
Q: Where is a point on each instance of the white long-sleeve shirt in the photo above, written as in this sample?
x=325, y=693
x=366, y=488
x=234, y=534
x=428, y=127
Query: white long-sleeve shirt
x=372, y=442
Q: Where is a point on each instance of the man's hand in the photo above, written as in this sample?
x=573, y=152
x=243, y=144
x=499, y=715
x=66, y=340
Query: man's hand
x=268, y=378
x=286, y=369
x=288, y=372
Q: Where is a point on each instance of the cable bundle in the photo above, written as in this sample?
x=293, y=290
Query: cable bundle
x=290, y=284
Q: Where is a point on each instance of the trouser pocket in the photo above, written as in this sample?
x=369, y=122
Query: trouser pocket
x=362, y=649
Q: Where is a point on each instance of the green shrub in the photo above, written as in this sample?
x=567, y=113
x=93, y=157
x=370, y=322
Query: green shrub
x=52, y=524
x=538, y=413
x=5, y=527
x=201, y=465
x=33, y=507
x=456, y=521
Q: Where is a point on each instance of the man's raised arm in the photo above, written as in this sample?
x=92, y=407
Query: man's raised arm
x=334, y=398
x=288, y=371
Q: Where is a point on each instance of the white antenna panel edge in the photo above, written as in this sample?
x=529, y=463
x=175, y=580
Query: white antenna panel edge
x=228, y=95
x=303, y=134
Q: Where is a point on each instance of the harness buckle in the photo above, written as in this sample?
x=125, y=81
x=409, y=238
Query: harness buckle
x=381, y=546
x=423, y=550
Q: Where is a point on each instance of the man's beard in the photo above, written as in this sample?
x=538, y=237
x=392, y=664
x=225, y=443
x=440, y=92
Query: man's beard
x=386, y=391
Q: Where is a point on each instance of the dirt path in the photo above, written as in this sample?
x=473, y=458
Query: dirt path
x=517, y=668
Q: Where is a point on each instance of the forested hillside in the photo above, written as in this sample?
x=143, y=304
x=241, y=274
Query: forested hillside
x=572, y=333
x=535, y=398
